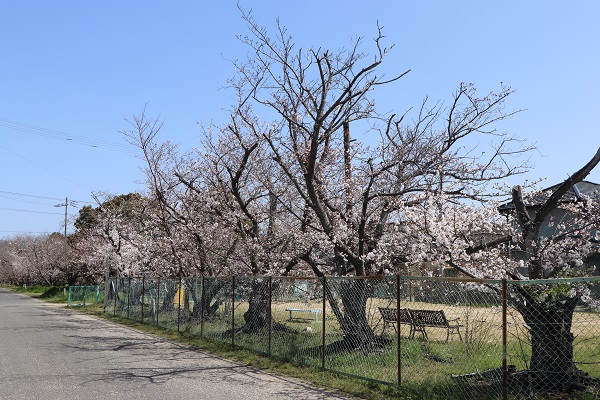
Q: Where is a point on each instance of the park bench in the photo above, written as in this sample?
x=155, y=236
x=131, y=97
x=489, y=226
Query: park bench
x=434, y=319
x=419, y=320
x=295, y=311
x=389, y=318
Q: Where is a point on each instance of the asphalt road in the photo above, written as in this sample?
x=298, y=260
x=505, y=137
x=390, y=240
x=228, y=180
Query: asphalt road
x=49, y=352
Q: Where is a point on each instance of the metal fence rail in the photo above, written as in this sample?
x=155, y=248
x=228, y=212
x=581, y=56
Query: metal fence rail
x=458, y=338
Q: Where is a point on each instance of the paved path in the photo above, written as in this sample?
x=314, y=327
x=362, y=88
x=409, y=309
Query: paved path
x=49, y=352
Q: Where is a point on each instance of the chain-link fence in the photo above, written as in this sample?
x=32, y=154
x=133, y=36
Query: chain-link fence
x=450, y=337
x=83, y=295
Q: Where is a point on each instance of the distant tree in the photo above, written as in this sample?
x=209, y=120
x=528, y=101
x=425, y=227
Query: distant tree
x=44, y=259
x=109, y=235
x=87, y=218
x=7, y=270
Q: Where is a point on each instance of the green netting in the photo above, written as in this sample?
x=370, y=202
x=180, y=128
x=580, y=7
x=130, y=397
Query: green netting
x=83, y=295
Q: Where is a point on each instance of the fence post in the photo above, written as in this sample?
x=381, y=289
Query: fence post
x=128, y=294
x=116, y=295
x=233, y=311
x=143, y=284
x=399, y=349
x=158, y=305
x=504, y=341
x=202, y=300
x=324, y=325
x=105, y=291
x=178, y=295
x=269, y=315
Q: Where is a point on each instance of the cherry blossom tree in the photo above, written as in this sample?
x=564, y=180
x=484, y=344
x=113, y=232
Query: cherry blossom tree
x=114, y=237
x=219, y=208
x=348, y=192
x=190, y=214
x=295, y=188
x=43, y=259
x=478, y=242
x=11, y=270
x=548, y=311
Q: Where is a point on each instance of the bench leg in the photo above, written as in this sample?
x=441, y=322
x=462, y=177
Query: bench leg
x=459, y=335
x=457, y=331
x=420, y=329
x=385, y=325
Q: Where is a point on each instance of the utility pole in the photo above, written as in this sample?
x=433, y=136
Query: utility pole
x=66, y=206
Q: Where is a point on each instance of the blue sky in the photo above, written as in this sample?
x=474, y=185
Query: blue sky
x=77, y=69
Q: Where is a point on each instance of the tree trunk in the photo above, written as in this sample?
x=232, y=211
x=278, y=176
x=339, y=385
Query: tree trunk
x=257, y=316
x=211, y=298
x=549, y=323
x=355, y=293
x=72, y=278
x=169, y=293
x=352, y=317
x=191, y=291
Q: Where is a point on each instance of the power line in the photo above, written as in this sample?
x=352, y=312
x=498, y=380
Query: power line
x=43, y=197
x=44, y=168
x=24, y=201
x=63, y=136
x=30, y=211
x=30, y=195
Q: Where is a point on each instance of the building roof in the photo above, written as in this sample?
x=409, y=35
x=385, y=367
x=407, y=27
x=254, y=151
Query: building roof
x=576, y=193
